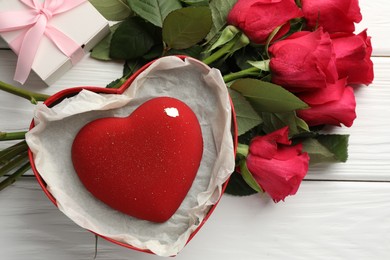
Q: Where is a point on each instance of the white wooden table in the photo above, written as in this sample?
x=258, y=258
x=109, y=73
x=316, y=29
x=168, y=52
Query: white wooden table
x=342, y=211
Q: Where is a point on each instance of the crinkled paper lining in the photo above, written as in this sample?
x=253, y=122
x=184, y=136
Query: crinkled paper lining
x=191, y=81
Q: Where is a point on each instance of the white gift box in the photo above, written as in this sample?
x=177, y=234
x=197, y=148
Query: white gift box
x=83, y=24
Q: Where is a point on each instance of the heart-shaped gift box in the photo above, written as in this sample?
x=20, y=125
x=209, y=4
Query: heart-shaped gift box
x=58, y=121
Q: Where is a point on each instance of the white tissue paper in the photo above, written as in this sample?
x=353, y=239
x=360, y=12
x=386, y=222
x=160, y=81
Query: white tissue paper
x=190, y=81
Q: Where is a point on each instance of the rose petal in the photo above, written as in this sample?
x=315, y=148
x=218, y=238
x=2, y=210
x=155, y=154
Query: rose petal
x=332, y=113
x=332, y=92
x=279, y=178
x=258, y=18
x=332, y=15
x=304, y=63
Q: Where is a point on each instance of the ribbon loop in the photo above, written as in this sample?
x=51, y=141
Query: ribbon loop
x=46, y=13
x=35, y=19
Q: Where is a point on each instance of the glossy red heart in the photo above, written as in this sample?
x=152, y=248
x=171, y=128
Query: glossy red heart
x=144, y=164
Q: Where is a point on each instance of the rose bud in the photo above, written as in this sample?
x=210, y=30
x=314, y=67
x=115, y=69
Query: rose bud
x=353, y=57
x=277, y=166
x=258, y=18
x=333, y=105
x=304, y=61
x=332, y=15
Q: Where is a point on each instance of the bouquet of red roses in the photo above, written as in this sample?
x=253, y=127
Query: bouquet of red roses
x=290, y=66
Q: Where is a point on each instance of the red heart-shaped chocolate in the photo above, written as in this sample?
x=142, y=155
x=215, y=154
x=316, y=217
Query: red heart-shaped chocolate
x=144, y=164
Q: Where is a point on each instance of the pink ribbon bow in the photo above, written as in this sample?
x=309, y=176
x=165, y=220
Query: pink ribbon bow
x=34, y=25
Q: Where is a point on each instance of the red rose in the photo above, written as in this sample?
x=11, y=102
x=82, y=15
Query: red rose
x=332, y=105
x=277, y=166
x=303, y=61
x=332, y=15
x=353, y=57
x=258, y=18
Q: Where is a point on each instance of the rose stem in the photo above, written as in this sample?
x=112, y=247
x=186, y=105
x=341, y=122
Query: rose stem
x=243, y=149
x=12, y=136
x=10, y=152
x=253, y=71
x=218, y=54
x=6, y=150
x=12, y=178
x=13, y=164
x=32, y=96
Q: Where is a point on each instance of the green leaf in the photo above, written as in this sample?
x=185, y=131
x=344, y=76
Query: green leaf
x=262, y=65
x=226, y=36
x=246, y=54
x=238, y=187
x=241, y=41
x=336, y=144
x=270, y=37
x=219, y=10
x=102, y=50
x=194, y=51
x=116, y=83
x=327, y=148
x=131, y=66
x=154, y=53
x=317, y=152
x=113, y=10
x=186, y=26
x=154, y=11
x=268, y=97
x=195, y=2
x=131, y=39
x=248, y=177
x=275, y=121
x=247, y=118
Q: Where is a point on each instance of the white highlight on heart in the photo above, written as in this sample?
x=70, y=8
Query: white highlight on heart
x=172, y=111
